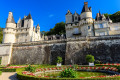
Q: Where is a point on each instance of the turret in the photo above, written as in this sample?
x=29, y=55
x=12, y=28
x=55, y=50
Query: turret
x=10, y=30
x=100, y=17
x=38, y=28
x=28, y=22
x=19, y=23
x=69, y=18
x=10, y=23
x=86, y=11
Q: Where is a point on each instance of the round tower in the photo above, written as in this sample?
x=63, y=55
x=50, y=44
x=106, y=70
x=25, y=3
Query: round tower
x=86, y=11
x=9, y=31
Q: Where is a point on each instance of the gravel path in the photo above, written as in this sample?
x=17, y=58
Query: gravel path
x=8, y=76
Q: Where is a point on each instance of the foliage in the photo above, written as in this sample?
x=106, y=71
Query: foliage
x=7, y=70
x=114, y=17
x=59, y=29
x=90, y=58
x=118, y=67
x=30, y=68
x=0, y=72
x=68, y=73
x=75, y=66
x=59, y=59
x=1, y=35
x=98, y=62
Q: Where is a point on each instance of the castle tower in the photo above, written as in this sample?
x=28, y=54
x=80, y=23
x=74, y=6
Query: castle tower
x=38, y=28
x=86, y=11
x=69, y=17
x=9, y=31
x=28, y=22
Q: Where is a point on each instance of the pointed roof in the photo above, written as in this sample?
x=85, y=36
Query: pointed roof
x=75, y=14
x=37, y=24
x=10, y=18
x=29, y=16
x=85, y=8
x=68, y=12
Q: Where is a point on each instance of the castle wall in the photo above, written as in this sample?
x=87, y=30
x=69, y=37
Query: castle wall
x=73, y=51
x=38, y=53
x=5, y=53
x=104, y=50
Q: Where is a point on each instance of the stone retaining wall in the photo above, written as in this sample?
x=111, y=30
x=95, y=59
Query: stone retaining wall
x=73, y=51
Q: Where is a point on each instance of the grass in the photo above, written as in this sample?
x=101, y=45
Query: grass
x=79, y=74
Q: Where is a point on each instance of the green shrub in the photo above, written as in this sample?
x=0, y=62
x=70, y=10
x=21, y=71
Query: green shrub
x=90, y=58
x=0, y=72
x=30, y=68
x=68, y=73
x=7, y=70
x=59, y=59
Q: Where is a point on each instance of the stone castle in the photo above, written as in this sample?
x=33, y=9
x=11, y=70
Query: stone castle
x=84, y=24
x=22, y=31
x=22, y=43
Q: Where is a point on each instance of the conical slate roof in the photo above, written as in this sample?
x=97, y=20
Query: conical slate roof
x=29, y=16
x=85, y=8
x=11, y=21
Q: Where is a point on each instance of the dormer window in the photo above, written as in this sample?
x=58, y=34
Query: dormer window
x=76, y=18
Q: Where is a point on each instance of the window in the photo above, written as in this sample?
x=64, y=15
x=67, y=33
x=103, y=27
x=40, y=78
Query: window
x=102, y=33
x=88, y=27
x=76, y=31
x=100, y=25
x=27, y=25
x=76, y=18
x=75, y=23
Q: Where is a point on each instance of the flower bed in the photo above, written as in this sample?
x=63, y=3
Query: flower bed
x=30, y=74
x=108, y=64
x=15, y=67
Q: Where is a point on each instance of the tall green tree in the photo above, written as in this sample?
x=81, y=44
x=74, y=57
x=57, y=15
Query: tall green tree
x=1, y=35
x=114, y=17
x=59, y=29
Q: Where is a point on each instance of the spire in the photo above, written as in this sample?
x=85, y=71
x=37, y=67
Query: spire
x=85, y=8
x=37, y=24
x=99, y=13
x=29, y=16
x=19, y=20
x=10, y=18
x=68, y=12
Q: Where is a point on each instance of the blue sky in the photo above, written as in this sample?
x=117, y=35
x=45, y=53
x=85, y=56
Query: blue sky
x=49, y=12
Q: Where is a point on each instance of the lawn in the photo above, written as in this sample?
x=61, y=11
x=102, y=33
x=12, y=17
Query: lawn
x=79, y=74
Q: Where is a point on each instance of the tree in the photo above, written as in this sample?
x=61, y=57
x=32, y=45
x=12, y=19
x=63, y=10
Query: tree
x=90, y=58
x=114, y=17
x=59, y=29
x=1, y=35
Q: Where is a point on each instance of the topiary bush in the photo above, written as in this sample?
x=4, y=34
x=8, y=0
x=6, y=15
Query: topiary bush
x=68, y=73
x=30, y=68
x=90, y=58
x=59, y=59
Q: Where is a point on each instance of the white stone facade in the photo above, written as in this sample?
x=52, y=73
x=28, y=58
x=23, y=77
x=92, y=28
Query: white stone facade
x=22, y=31
x=84, y=25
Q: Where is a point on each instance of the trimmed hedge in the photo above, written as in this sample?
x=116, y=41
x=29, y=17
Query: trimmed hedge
x=7, y=70
x=0, y=72
x=20, y=76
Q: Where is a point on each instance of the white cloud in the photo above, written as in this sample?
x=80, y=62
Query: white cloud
x=51, y=15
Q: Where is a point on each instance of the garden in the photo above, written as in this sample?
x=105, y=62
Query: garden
x=66, y=72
